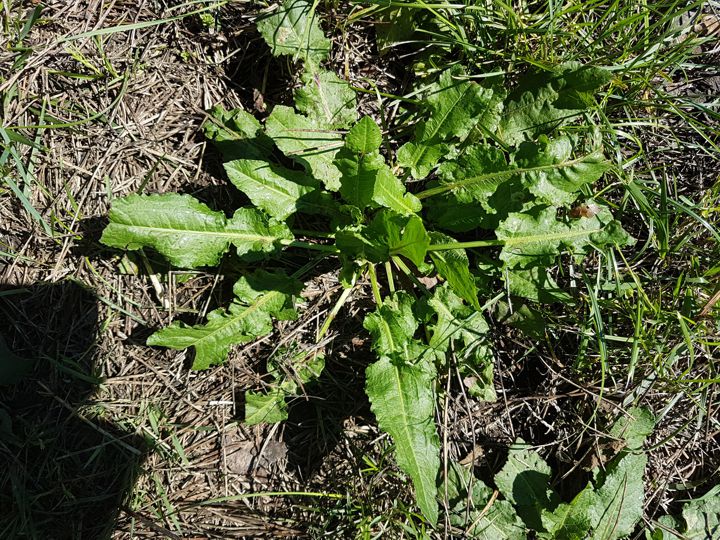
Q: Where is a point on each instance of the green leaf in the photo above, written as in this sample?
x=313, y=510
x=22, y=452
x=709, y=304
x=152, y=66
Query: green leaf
x=467, y=329
x=619, y=497
x=186, y=232
x=287, y=374
x=359, y=175
x=270, y=187
x=237, y=134
x=12, y=367
x=454, y=108
x=553, y=174
x=407, y=237
x=259, y=297
x=388, y=234
x=702, y=517
x=354, y=244
x=390, y=193
x=472, y=173
x=364, y=137
x=534, y=237
x=608, y=510
x=525, y=482
x=535, y=284
x=392, y=325
x=292, y=29
x=468, y=499
x=453, y=265
x=544, y=102
x=328, y=98
x=402, y=397
x=307, y=142
x=530, y=321
x=267, y=408
x=566, y=522
x=634, y=428
x=366, y=178
x=548, y=170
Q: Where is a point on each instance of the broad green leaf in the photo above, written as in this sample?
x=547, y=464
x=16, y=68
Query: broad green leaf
x=619, y=498
x=472, y=173
x=453, y=265
x=327, y=97
x=392, y=325
x=420, y=157
x=267, y=408
x=259, y=298
x=454, y=107
x=366, y=178
x=272, y=188
x=482, y=190
x=293, y=29
x=530, y=321
x=449, y=214
x=359, y=175
x=535, y=236
x=634, y=428
x=548, y=170
x=364, y=137
x=237, y=134
x=355, y=244
x=468, y=499
x=402, y=397
x=467, y=329
x=610, y=507
x=525, y=482
x=544, y=102
x=702, y=516
x=406, y=237
x=553, y=174
x=388, y=234
x=307, y=142
x=532, y=238
x=608, y=510
x=535, y=284
x=12, y=367
x=390, y=193
x=187, y=232
x=566, y=522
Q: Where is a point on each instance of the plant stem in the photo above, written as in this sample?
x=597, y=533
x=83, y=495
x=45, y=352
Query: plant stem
x=309, y=245
x=374, y=284
x=515, y=240
x=391, y=281
x=498, y=175
x=463, y=245
x=336, y=309
x=404, y=268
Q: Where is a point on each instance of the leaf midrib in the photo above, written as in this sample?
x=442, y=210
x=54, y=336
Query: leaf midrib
x=218, y=234
x=501, y=174
x=255, y=306
x=425, y=143
x=417, y=473
x=529, y=239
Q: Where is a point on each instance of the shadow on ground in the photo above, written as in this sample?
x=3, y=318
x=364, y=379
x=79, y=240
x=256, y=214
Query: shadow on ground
x=64, y=470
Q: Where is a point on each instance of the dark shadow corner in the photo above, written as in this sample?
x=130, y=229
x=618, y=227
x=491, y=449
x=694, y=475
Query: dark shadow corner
x=65, y=470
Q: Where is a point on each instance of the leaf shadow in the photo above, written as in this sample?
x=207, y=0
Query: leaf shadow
x=66, y=469
x=316, y=420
